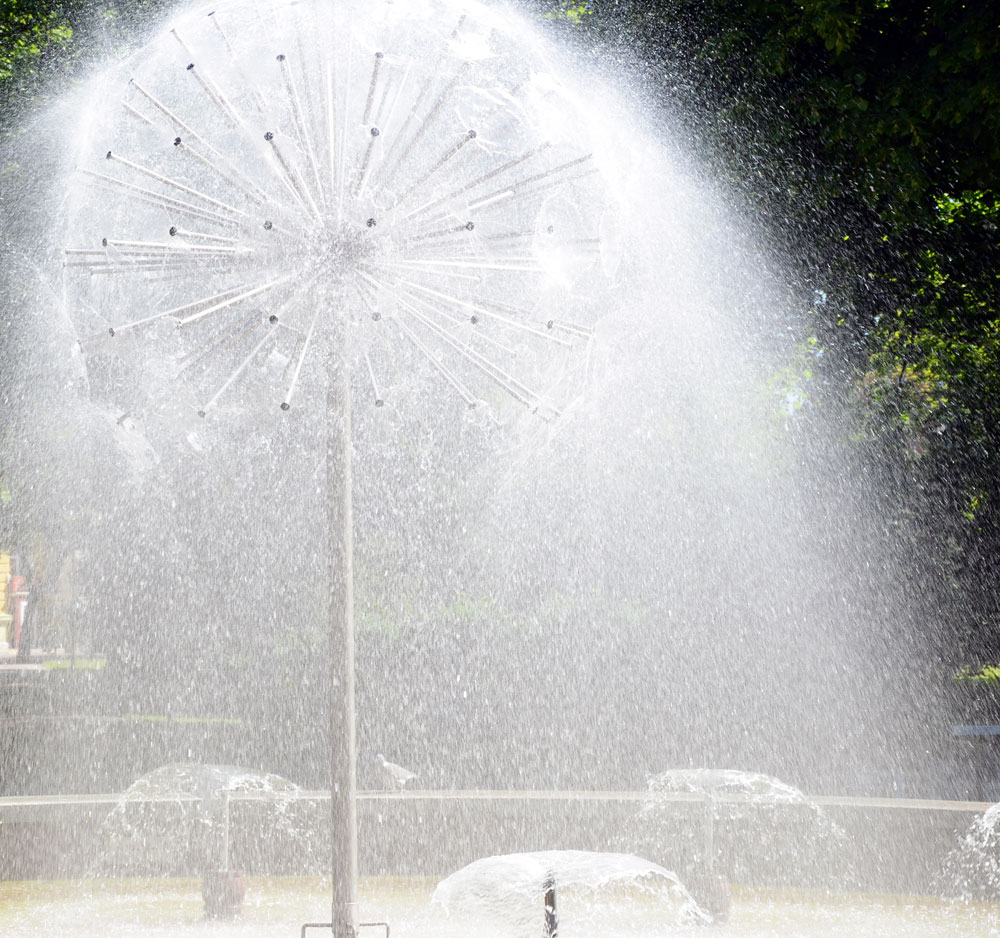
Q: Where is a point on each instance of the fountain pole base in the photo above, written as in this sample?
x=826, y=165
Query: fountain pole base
x=223, y=892
x=711, y=892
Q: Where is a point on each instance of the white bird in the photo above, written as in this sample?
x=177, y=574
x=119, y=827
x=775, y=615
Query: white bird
x=396, y=775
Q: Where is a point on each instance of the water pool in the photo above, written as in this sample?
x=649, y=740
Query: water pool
x=278, y=906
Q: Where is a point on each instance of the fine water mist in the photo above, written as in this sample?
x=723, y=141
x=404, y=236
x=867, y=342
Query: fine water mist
x=601, y=530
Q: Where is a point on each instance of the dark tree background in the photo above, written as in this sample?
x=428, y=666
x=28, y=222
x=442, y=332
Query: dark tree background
x=867, y=135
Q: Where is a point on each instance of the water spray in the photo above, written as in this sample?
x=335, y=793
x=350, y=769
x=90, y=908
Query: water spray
x=426, y=216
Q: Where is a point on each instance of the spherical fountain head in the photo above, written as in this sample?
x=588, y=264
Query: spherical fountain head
x=396, y=221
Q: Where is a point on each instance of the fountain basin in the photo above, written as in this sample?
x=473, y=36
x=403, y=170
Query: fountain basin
x=172, y=908
x=894, y=845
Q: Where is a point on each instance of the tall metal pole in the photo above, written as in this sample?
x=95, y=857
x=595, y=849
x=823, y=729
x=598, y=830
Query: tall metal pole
x=225, y=831
x=708, y=844
x=343, y=806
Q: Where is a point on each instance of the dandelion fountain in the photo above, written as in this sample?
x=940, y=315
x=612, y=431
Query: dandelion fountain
x=400, y=263
x=313, y=191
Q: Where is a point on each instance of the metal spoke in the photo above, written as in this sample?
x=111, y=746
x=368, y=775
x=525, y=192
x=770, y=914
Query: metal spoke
x=159, y=247
x=391, y=168
x=232, y=301
x=453, y=150
x=300, y=125
x=268, y=337
x=481, y=310
x=499, y=376
x=373, y=135
x=209, y=86
x=522, y=186
x=371, y=374
x=586, y=332
x=148, y=195
x=234, y=180
x=448, y=374
x=472, y=184
x=174, y=231
x=342, y=155
x=467, y=321
x=228, y=337
x=140, y=265
x=205, y=301
x=292, y=179
x=331, y=126
x=366, y=117
x=138, y=115
x=188, y=133
x=174, y=184
x=287, y=402
x=442, y=232
x=234, y=61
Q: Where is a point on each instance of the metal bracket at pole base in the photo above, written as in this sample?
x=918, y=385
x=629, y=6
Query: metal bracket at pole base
x=332, y=925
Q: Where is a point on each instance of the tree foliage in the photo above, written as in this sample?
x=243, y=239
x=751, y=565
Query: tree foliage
x=27, y=31
x=53, y=39
x=32, y=32
x=873, y=128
